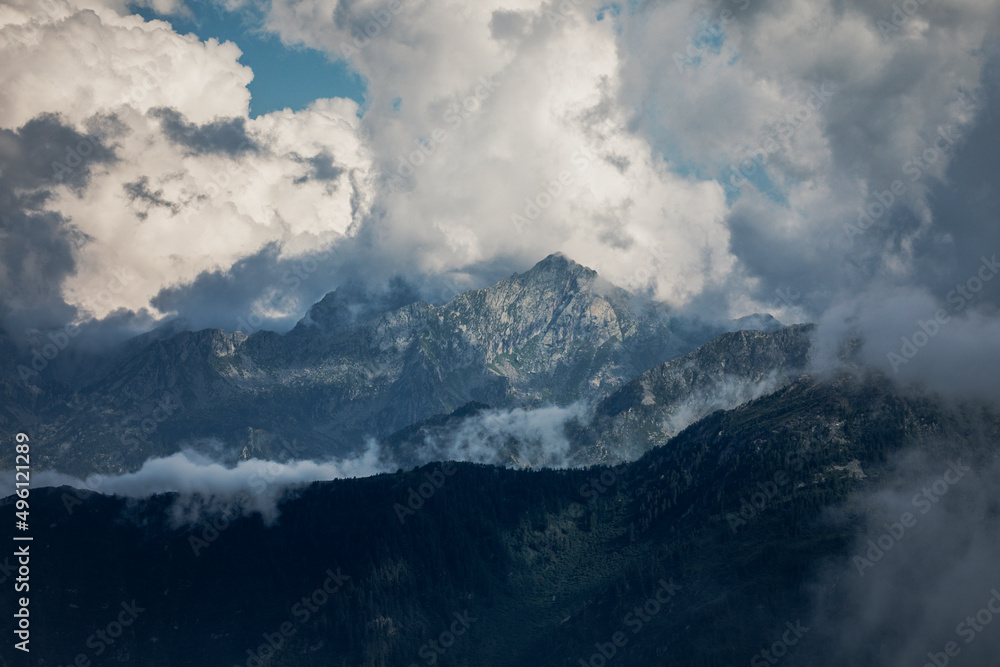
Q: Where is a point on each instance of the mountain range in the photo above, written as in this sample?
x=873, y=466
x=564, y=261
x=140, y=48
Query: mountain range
x=704, y=551
x=358, y=369
x=581, y=477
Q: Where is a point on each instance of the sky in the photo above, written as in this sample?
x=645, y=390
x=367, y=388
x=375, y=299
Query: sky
x=234, y=160
x=285, y=76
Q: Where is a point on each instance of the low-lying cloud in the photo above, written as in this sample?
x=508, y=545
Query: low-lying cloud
x=912, y=587
x=203, y=483
x=206, y=481
x=948, y=344
x=518, y=437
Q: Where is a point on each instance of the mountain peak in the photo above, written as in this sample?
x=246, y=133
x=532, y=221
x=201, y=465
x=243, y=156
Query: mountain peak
x=354, y=302
x=556, y=268
x=558, y=262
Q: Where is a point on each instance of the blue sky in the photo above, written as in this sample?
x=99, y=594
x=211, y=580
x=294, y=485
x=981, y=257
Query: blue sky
x=284, y=77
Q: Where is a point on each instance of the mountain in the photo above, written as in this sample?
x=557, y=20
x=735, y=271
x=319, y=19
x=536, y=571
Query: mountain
x=359, y=367
x=671, y=559
x=20, y=401
x=727, y=372
x=645, y=413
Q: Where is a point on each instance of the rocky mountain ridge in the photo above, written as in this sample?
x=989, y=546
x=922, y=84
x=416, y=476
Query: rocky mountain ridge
x=555, y=334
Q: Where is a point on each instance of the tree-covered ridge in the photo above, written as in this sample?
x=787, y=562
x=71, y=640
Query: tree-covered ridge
x=549, y=564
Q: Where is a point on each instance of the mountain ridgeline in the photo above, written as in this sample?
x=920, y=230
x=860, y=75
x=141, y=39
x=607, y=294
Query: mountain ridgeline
x=631, y=488
x=352, y=370
x=737, y=540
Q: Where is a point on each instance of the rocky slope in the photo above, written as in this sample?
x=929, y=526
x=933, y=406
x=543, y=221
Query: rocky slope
x=731, y=370
x=356, y=369
x=646, y=412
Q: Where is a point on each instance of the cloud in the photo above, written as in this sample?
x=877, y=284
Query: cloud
x=37, y=245
x=949, y=345
x=226, y=136
x=519, y=437
x=52, y=65
x=922, y=564
x=205, y=484
x=196, y=186
x=761, y=149
x=472, y=149
x=800, y=162
x=207, y=480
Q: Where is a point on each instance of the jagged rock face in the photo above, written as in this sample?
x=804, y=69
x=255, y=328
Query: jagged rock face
x=550, y=307
x=560, y=333
x=359, y=366
x=731, y=370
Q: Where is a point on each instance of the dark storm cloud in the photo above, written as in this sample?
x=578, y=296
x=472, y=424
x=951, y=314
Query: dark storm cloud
x=36, y=254
x=937, y=326
x=267, y=291
x=355, y=301
x=226, y=136
x=354, y=278
x=222, y=298
x=922, y=565
x=322, y=167
x=142, y=198
x=967, y=204
x=37, y=246
x=45, y=152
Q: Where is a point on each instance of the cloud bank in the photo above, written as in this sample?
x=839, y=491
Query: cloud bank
x=208, y=482
x=920, y=573
x=802, y=158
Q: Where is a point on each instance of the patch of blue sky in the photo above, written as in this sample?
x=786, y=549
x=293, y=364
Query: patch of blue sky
x=612, y=9
x=736, y=179
x=284, y=77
